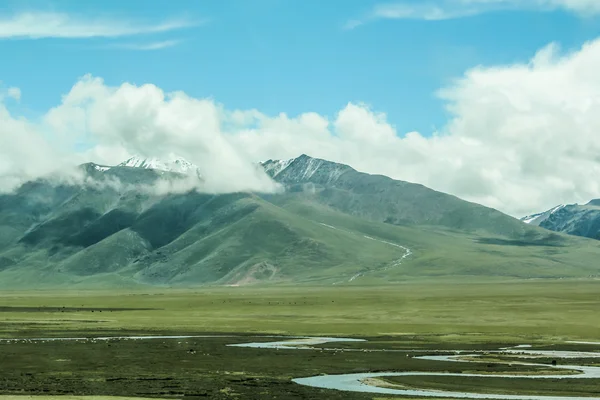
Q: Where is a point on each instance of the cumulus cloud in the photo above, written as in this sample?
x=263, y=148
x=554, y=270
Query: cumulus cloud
x=37, y=25
x=144, y=120
x=521, y=138
x=24, y=150
x=435, y=10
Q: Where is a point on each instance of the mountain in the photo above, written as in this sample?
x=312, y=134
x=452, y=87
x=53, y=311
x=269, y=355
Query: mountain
x=537, y=219
x=172, y=164
x=380, y=198
x=332, y=226
x=574, y=219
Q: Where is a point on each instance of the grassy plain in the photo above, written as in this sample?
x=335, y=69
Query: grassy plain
x=443, y=315
x=550, y=309
x=539, y=387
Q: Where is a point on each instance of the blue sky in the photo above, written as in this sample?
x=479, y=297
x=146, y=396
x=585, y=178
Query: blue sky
x=277, y=56
x=356, y=79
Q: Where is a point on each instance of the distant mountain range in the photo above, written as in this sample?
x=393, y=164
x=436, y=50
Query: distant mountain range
x=574, y=219
x=333, y=225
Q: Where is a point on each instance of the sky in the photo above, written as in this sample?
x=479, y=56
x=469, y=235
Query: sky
x=495, y=101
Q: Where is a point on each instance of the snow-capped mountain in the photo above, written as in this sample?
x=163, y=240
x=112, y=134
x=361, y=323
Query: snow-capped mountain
x=274, y=167
x=305, y=169
x=537, y=219
x=574, y=219
x=101, y=168
x=173, y=164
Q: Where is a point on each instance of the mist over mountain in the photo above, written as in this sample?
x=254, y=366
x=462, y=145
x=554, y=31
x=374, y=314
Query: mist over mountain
x=152, y=222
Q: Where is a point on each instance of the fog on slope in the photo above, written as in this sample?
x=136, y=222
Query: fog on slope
x=174, y=175
x=114, y=124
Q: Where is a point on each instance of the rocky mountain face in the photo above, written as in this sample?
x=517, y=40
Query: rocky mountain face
x=574, y=219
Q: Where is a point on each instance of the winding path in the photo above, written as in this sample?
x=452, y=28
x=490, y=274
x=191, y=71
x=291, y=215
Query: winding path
x=395, y=263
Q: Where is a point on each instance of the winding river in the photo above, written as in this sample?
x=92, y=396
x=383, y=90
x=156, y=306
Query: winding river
x=363, y=382
x=360, y=382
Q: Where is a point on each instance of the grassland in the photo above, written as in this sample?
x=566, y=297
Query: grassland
x=557, y=309
x=541, y=387
x=410, y=316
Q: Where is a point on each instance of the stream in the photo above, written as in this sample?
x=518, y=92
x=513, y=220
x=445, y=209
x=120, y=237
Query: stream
x=359, y=382
x=362, y=382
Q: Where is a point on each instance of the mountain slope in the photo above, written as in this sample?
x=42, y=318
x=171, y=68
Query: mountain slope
x=180, y=239
x=574, y=219
x=537, y=219
x=333, y=225
x=443, y=253
x=383, y=199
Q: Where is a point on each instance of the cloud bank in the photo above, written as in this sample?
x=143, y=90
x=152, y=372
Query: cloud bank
x=521, y=138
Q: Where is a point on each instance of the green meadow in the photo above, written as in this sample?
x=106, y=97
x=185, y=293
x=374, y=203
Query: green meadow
x=546, y=309
x=420, y=317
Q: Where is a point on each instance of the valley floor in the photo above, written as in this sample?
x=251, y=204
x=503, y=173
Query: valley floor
x=416, y=317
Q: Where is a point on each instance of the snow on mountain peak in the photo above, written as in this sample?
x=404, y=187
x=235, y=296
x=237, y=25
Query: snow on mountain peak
x=172, y=164
x=537, y=219
x=101, y=168
x=530, y=218
x=274, y=167
x=304, y=169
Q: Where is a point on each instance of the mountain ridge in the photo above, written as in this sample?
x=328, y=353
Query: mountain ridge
x=341, y=187
x=171, y=164
x=573, y=219
x=332, y=225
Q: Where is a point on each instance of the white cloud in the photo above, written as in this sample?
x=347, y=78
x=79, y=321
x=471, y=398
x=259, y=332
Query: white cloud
x=14, y=93
x=144, y=120
x=24, y=151
x=521, y=137
x=425, y=11
x=146, y=46
x=435, y=10
x=581, y=7
x=37, y=25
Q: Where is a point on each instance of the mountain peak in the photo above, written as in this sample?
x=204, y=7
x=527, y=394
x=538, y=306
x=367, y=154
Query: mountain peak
x=539, y=218
x=574, y=219
x=304, y=168
x=171, y=164
x=274, y=167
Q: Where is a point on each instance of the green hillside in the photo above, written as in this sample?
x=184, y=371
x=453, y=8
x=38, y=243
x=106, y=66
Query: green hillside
x=449, y=254
x=332, y=226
